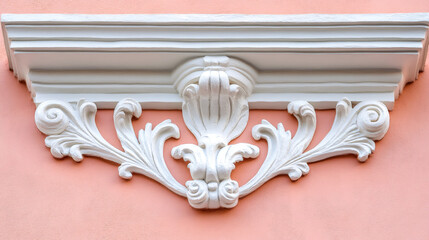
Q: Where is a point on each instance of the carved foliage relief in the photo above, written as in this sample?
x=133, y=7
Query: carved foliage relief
x=216, y=111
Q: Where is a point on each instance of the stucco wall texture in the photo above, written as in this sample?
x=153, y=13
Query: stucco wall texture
x=385, y=198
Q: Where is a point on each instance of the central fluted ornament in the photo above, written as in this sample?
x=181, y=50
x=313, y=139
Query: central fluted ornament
x=216, y=113
x=215, y=109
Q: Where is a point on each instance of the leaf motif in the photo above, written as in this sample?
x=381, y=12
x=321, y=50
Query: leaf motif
x=306, y=117
x=353, y=131
x=213, y=109
x=279, y=142
x=216, y=112
x=73, y=132
x=196, y=158
x=231, y=154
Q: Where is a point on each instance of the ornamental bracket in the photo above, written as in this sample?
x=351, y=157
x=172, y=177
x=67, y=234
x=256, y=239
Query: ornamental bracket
x=216, y=111
x=214, y=68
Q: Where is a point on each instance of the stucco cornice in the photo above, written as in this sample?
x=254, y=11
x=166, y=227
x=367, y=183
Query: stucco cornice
x=214, y=68
x=317, y=57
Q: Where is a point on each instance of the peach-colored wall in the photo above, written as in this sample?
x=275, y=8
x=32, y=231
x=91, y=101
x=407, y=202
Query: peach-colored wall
x=42, y=198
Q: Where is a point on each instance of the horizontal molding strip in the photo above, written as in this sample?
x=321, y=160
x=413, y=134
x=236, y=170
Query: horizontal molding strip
x=376, y=46
x=218, y=19
x=164, y=77
x=217, y=33
x=273, y=101
x=316, y=57
x=261, y=88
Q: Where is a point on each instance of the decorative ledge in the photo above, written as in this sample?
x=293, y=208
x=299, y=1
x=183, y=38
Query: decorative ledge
x=320, y=58
x=214, y=67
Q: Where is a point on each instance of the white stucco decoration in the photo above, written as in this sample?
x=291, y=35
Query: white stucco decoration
x=215, y=109
x=215, y=68
x=72, y=132
x=216, y=112
x=320, y=58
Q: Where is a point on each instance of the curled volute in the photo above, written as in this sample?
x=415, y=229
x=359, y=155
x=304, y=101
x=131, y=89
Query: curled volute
x=215, y=109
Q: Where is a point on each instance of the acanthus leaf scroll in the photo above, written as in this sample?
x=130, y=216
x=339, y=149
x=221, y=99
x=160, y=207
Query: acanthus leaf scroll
x=216, y=111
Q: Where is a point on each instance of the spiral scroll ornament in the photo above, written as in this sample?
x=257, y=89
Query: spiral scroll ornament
x=216, y=111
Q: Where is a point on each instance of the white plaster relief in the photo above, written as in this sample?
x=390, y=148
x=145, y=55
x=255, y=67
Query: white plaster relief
x=72, y=132
x=216, y=111
x=353, y=132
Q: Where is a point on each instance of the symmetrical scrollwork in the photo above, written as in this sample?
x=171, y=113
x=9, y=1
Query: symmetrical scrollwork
x=216, y=111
